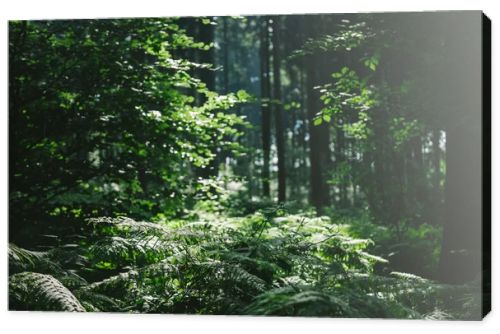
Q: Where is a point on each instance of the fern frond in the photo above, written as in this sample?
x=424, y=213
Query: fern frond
x=129, y=225
x=118, y=283
x=438, y=314
x=238, y=276
x=39, y=292
x=97, y=302
x=408, y=276
x=21, y=259
x=298, y=301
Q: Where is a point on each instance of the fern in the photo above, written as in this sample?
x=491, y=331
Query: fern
x=261, y=264
x=408, y=276
x=21, y=259
x=39, y=292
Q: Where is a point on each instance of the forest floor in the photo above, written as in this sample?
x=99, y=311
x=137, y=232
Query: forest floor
x=266, y=263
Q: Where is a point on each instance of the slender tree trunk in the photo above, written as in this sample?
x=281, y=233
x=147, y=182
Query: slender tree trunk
x=340, y=165
x=293, y=170
x=265, y=103
x=318, y=134
x=437, y=198
x=353, y=178
x=397, y=191
x=436, y=162
x=380, y=182
x=318, y=187
x=225, y=64
x=420, y=187
x=303, y=127
x=278, y=111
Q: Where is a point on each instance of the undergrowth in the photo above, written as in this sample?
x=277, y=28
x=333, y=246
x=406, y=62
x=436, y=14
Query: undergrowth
x=266, y=263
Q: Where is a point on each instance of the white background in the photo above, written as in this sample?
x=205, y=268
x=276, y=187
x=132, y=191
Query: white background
x=19, y=322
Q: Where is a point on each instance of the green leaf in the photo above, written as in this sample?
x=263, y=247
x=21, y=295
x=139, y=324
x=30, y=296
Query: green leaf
x=242, y=95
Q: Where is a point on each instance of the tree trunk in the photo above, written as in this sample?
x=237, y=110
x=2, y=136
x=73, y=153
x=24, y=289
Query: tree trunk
x=278, y=112
x=318, y=188
x=437, y=197
x=265, y=103
x=225, y=64
x=340, y=148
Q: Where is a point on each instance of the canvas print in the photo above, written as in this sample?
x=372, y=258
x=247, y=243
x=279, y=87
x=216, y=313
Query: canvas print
x=326, y=165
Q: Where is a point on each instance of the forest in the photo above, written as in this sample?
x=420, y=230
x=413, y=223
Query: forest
x=296, y=165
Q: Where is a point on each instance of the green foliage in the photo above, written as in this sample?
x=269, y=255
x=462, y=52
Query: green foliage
x=373, y=109
x=104, y=121
x=348, y=101
x=404, y=130
x=39, y=292
x=348, y=37
x=372, y=62
x=120, y=118
x=24, y=260
x=267, y=263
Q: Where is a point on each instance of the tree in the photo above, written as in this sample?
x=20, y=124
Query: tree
x=100, y=121
x=278, y=110
x=318, y=132
x=265, y=96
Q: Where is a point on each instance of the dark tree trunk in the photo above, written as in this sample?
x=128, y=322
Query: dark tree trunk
x=318, y=188
x=303, y=127
x=419, y=176
x=265, y=103
x=353, y=175
x=225, y=64
x=379, y=178
x=318, y=134
x=278, y=112
x=340, y=164
x=397, y=191
x=293, y=170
